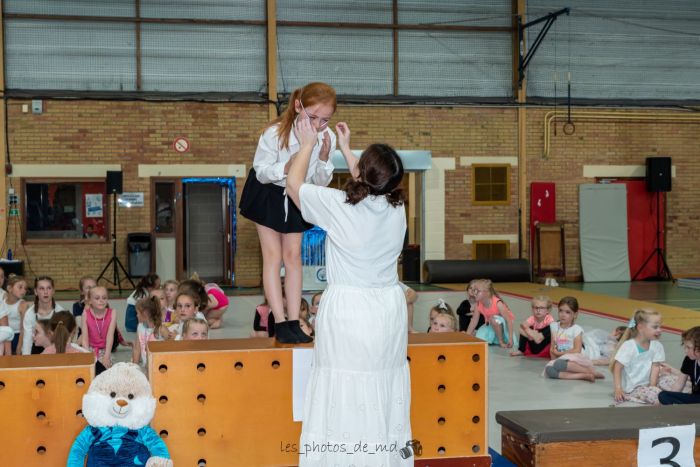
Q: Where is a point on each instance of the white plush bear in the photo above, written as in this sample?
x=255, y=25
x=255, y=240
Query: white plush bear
x=118, y=408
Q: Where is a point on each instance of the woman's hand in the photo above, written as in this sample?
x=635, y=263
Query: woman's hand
x=325, y=147
x=306, y=134
x=343, y=131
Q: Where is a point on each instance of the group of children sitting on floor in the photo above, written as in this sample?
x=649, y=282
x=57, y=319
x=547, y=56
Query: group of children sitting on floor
x=187, y=310
x=633, y=352
x=176, y=311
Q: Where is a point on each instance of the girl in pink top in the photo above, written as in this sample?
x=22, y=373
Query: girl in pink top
x=535, y=335
x=98, y=326
x=261, y=320
x=492, y=317
x=216, y=305
x=59, y=331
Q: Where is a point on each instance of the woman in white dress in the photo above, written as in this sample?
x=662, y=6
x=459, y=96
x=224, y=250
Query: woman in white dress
x=357, y=407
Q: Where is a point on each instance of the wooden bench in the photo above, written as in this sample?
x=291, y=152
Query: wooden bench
x=583, y=437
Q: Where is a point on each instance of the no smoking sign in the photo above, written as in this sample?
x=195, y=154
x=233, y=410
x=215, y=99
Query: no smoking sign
x=181, y=144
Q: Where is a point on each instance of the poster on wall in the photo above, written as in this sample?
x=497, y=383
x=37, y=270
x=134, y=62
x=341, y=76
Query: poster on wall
x=93, y=205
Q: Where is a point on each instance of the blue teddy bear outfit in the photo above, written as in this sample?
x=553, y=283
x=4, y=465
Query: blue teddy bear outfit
x=116, y=446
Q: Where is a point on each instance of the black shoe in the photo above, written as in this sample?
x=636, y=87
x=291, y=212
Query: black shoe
x=284, y=333
x=300, y=335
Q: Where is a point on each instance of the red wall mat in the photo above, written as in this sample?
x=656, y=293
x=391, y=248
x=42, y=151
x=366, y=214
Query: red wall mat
x=641, y=228
x=543, y=206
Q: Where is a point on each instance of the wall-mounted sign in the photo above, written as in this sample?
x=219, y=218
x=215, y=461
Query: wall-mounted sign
x=131, y=200
x=181, y=144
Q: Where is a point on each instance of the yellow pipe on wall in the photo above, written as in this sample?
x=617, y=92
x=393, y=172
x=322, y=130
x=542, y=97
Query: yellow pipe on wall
x=555, y=115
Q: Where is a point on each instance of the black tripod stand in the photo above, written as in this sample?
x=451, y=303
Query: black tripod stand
x=662, y=270
x=114, y=261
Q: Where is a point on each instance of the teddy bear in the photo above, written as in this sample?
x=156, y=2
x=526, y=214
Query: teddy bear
x=118, y=407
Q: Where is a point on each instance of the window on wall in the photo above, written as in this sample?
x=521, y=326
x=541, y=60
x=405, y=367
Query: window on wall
x=490, y=249
x=65, y=210
x=491, y=184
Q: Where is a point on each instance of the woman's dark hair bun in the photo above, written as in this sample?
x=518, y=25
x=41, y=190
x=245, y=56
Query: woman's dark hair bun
x=380, y=173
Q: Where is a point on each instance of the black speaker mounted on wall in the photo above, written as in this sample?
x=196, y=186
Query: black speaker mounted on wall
x=658, y=174
x=114, y=181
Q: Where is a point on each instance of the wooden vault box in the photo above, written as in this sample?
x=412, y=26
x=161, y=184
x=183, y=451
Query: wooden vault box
x=229, y=401
x=41, y=399
x=585, y=437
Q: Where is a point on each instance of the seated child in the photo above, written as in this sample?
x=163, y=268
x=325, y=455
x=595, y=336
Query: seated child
x=195, y=329
x=12, y=309
x=599, y=345
x=170, y=289
x=313, y=309
x=567, y=342
x=42, y=334
x=59, y=330
x=84, y=285
x=442, y=308
x=187, y=307
x=689, y=372
x=213, y=302
x=492, y=320
x=163, y=302
x=43, y=308
x=266, y=316
x=143, y=289
x=444, y=322
x=261, y=321
x=304, y=312
x=465, y=310
x=99, y=323
x=636, y=363
x=150, y=327
x=535, y=335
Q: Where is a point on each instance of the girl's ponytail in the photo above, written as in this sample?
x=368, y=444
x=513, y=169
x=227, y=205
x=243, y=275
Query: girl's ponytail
x=640, y=316
x=62, y=327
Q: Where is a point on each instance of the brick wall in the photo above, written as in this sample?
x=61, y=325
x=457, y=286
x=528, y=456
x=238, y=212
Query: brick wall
x=623, y=142
x=129, y=133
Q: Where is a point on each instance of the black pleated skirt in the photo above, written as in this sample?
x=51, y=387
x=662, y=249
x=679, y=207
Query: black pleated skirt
x=263, y=203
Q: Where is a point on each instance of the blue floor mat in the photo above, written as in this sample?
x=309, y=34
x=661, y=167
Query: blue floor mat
x=498, y=460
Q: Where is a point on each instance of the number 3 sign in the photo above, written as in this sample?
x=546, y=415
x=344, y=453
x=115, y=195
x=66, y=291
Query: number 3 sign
x=672, y=446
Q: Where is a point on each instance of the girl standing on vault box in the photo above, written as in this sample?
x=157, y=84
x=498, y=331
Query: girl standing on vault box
x=278, y=221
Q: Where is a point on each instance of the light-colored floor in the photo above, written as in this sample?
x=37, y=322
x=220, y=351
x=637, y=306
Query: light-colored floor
x=515, y=383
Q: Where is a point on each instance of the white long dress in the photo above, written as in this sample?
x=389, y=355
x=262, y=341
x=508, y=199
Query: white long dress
x=357, y=406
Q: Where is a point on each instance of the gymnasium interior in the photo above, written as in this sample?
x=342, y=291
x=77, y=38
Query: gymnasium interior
x=550, y=147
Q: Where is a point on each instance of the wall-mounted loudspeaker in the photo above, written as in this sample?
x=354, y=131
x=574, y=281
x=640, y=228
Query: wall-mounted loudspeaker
x=658, y=174
x=114, y=181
